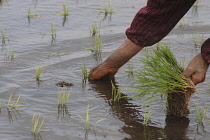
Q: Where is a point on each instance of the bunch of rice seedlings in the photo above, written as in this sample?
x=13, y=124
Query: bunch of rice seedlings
x=85, y=72
x=63, y=96
x=201, y=114
x=53, y=32
x=147, y=116
x=29, y=15
x=37, y=123
x=13, y=104
x=38, y=73
x=108, y=9
x=162, y=77
x=94, y=29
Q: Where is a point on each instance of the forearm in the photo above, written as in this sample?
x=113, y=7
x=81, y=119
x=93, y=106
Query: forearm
x=123, y=53
x=153, y=22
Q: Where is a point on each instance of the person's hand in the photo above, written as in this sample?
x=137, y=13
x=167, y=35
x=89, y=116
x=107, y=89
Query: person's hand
x=196, y=70
x=102, y=70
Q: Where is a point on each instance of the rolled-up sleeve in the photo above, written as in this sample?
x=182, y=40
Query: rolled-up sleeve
x=154, y=21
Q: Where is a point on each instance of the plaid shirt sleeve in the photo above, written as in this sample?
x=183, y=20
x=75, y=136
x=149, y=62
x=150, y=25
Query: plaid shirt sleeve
x=154, y=21
x=205, y=50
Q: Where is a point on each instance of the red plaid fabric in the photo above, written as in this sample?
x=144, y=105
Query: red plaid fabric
x=154, y=21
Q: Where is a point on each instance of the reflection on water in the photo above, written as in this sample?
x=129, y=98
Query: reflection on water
x=175, y=129
x=13, y=114
x=63, y=112
x=37, y=136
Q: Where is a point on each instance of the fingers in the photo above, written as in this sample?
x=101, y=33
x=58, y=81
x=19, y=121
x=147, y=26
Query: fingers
x=198, y=78
x=188, y=72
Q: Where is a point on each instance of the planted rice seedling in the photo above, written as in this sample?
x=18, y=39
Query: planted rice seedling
x=94, y=29
x=65, y=10
x=86, y=120
x=38, y=73
x=197, y=41
x=29, y=15
x=107, y=9
x=182, y=24
x=2, y=1
x=11, y=56
x=85, y=72
x=4, y=36
x=13, y=104
x=63, y=96
x=116, y=93
x=53, y=32
x=161, y=77
x=37, y=123
x=60, y=54
x=97, y=45
x=147, y=116
x=201, y=114
x=130, y=68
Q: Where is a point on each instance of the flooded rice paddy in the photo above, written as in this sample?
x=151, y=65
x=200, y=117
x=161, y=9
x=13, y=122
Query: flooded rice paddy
x=31, y=42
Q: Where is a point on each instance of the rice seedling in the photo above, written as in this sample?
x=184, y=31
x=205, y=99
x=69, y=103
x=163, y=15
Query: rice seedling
x=60, y=54
x=130, y=68
x=97, y=45
x=63, y=96
x=4, y=36
x=53, y=32
x=161, y=77
x=197, y=41
x=37, y=123
x=147, y=116
x=29, y=15
x=65, y=10
x=12, y=55
x=85, y=72
x=2, y=1
x=201, y=114
x=86, y=120
x=107, y=9
x=116, y=93
x=13, y=104
x=38, y=73
x=94, y=29
x=182, y=24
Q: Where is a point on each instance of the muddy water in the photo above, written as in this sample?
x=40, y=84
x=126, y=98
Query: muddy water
x=31, y=41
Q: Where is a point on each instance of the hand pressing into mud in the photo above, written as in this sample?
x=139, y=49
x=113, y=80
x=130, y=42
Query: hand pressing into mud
x=196, y=70
x=102, y=70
